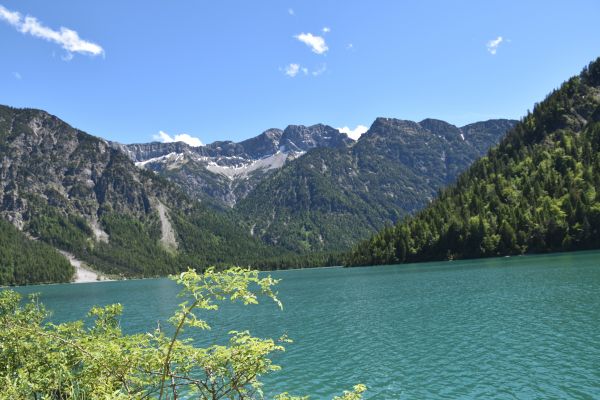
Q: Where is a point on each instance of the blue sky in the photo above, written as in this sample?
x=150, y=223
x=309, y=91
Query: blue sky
x=216, y=70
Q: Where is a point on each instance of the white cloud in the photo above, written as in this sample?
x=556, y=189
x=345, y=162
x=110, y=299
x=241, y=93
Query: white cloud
x=17, y=75
x=184, y=137
x=291, y=11
x=12, y=17
x=67, y=38
x=292, y=70
x=316, y=43
x=492, y=45
x=326, y=29
x=354, y=133
x=349, y=46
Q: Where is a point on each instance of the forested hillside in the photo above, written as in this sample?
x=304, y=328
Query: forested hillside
x=538, y=191
x=24, y=261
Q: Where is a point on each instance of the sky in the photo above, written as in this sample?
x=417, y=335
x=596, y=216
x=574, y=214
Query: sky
x=200, y=71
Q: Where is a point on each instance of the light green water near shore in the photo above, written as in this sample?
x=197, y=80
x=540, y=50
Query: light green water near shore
x=509, y=328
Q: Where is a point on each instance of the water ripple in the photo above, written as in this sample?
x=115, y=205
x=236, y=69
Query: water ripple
x=518, y=328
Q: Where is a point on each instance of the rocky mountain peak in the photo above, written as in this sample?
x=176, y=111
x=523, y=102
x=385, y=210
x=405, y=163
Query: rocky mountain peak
x=439, y=127
x=303, y=138
x=392, y=126
x=263, y=145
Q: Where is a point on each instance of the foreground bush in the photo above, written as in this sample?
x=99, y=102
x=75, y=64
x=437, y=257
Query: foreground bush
x=40, y=360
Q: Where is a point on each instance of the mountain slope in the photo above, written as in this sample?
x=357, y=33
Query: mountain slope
x=329, y=198
x=539, y=190
x=78, y=193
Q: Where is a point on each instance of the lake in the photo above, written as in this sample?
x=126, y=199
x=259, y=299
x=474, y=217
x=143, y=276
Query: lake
x=506, y=328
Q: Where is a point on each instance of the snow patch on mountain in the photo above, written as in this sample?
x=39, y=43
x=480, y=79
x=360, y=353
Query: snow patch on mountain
x=172, y=160
x=242, y=171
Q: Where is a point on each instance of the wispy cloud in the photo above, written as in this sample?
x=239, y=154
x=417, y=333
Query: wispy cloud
x=67, y=38
x=320, y=70
x=12, y=17
x=184, y=137
x=291, y=11
x=17, y=75
x=492, y=45
x=316, y=43
x=292, y=70
x=354, y=133
x=326, y=29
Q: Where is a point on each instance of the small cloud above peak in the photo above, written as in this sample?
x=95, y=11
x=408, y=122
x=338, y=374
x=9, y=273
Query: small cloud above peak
x=17, y=75
x=492, y=45
x=326, y=29
x=354, y=133
x=316, y=43
x=291, y=11
x=67, y=38
x=292, y=70
x=183, y=137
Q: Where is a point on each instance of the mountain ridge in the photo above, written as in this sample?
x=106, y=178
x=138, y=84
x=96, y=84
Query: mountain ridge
x=310, y=192
x=229, y=171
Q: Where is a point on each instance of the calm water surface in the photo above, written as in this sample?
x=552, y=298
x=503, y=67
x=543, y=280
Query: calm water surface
x=509, y=328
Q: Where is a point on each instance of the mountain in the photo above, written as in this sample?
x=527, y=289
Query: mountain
x=75, y=192
x=225, y=170
x=286, y=197
x=331, y=197
x=538, y=191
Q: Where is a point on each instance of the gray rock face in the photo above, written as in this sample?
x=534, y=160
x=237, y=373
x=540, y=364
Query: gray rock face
x=302, y=138
x=47, y=162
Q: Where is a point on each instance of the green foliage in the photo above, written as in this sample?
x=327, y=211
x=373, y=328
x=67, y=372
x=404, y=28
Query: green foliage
x=79, y=360
x=25, y=261
x=536, y=192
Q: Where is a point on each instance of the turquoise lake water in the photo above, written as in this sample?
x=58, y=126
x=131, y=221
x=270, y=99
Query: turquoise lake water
x=509, y=328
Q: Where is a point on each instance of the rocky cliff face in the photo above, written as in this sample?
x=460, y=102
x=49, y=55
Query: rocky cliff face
x=45, y=160
x=434, y=149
